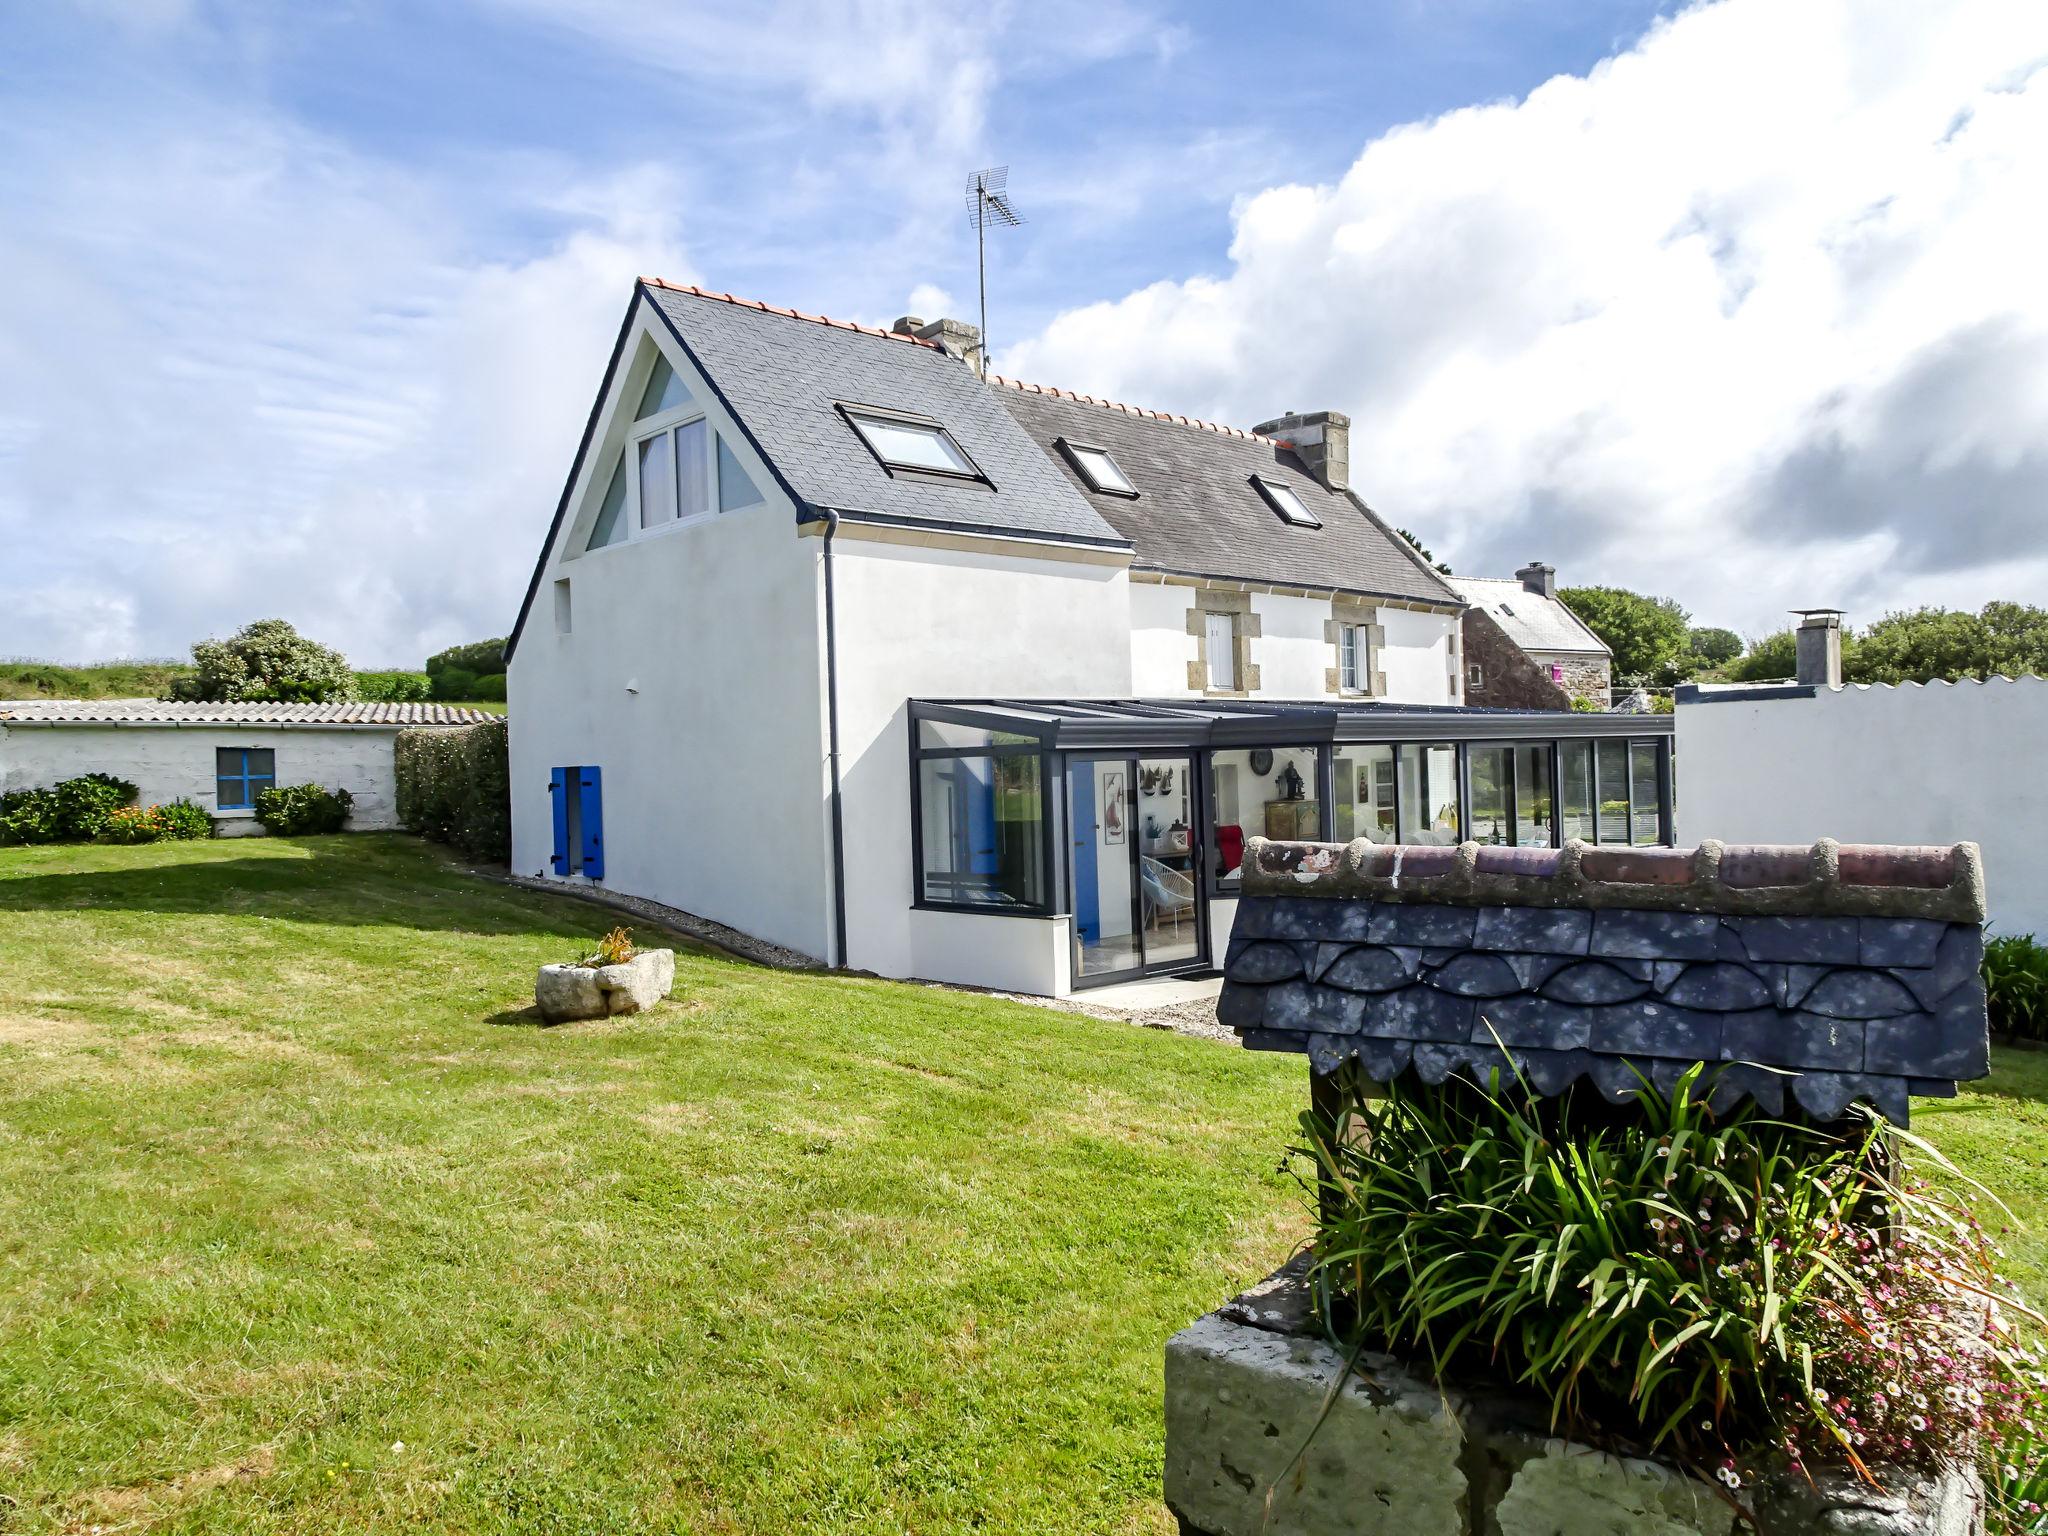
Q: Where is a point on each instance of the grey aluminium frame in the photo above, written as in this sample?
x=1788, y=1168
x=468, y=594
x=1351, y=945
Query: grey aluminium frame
x=852, y=412
x=1051, y=808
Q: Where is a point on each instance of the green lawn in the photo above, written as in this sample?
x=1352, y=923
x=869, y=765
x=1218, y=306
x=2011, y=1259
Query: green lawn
x=304, y=1226
x=287, y=1179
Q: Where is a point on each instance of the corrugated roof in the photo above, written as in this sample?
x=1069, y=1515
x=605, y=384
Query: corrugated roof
x=165, y=712
x=1533, y=622
x=785, y=376
x=1197, y=512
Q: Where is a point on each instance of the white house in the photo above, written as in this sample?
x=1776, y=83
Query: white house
x=839, y=642
x=218, y=756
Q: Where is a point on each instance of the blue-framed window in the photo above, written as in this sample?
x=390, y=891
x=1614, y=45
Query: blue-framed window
x=240, y=774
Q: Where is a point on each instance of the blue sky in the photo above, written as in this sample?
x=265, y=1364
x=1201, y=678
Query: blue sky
x=306, y=304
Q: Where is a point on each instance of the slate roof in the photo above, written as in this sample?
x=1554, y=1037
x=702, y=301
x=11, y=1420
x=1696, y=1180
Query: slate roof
x=1815, y=976
x=1198, y=514
x=784, y=375
x=38, y=712
x=1533, y=622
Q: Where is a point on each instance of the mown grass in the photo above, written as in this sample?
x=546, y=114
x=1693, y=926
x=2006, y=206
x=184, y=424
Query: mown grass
x=304, y=1226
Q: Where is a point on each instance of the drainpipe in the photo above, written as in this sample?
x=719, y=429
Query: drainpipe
x=832, y=752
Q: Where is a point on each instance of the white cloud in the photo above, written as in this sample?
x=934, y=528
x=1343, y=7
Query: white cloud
x=244, y=372
x=1750, y=314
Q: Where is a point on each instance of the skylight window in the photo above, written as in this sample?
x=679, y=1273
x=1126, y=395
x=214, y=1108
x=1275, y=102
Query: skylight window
x=1098, y=469
x=1281, y=498
x=912, y=443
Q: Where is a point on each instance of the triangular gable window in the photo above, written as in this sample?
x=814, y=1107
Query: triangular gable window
x=664, y=392
x=610, y=527
x=736, y=487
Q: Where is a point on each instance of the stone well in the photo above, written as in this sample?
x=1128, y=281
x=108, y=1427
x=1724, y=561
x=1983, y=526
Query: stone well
x=1810, y=979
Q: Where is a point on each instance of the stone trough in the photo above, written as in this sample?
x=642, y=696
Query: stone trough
x=568, y=992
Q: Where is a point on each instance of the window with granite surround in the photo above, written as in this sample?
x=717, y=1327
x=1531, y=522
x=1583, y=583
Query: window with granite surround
x=1224, y=627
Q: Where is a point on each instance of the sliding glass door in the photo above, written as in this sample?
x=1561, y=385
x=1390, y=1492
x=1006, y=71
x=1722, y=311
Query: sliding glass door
x=1134, y=862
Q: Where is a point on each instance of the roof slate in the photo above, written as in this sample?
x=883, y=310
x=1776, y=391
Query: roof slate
x=1533, y=622
x=163, y=712
x=1197, y=512
x=784, y=375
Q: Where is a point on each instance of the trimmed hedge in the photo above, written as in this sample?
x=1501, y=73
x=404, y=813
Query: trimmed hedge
x=394, y=687
x=455, y=786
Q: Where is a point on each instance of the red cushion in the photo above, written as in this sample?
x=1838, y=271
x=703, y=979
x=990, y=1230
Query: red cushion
x=1230, y=844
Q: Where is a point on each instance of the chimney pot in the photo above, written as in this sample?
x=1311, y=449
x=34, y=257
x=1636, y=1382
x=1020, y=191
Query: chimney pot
x=1538, y=578
x=1321, y=439
x=1818, y=643
x=907, y=325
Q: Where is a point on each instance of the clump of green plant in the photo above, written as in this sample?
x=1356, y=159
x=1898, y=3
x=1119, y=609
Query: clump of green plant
x=615, y=948
x=303, y=810
x=183, y=822
x=1745, y=1294
x=75, y=810
x=2016, y=985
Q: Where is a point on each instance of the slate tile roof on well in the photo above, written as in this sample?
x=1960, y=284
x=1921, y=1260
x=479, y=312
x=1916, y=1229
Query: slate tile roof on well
x=785, y=374
x=164, y=712
x=1197, y=512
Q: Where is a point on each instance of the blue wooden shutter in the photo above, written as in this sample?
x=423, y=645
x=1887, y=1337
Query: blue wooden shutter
x=558, y=792
x=590, y=793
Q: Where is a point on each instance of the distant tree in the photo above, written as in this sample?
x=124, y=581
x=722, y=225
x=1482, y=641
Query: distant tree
x=1714, y=647
x=452, y=675
x=2002, y=640
x=1432, y=559
x=1767, y=660
x=1648, y=635
x=266, y=660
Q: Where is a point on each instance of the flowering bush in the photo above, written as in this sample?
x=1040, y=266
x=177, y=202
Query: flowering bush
x=74, y=811
x=615, y=948
x=177, y=821
x=1744, y=1294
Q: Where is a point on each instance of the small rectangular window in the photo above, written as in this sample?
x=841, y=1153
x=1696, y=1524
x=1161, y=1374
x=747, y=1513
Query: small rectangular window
x=562, y=616
x=1281, y=497
x=1475, y=679
x=1098, y=469
x=905, y=442
x=240, y=774
x=1352, y=664
x=1221, y=636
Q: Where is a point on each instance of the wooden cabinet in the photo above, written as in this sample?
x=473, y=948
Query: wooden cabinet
x=1294, y=821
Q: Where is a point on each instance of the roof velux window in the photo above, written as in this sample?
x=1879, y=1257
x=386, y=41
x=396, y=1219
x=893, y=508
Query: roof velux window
x=1281, y=498
x=1101, y=472
x=910, y=442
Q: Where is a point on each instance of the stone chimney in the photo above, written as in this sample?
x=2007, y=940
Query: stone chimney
x=1819, y=641
x=956, y=338
x=1538, y=578
x=1321, y=438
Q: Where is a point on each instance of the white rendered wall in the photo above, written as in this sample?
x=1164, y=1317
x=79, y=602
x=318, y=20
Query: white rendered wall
x=1292, y=651
x=1944, y=763
x=177, y=763
x=1031, y=955
x=691, y=676
x=932, y=622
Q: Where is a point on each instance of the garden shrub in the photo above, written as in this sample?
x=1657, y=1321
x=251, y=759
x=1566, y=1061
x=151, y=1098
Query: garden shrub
x=491, y=687
x=175, y=821
x=451, y=685
x=303, y=810
x=455, y=786
x=1741, y=1293
x=29, y=816
x=2016, y=985
x=84, y=804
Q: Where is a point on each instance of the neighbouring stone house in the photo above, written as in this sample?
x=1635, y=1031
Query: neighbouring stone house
x=218, y=756
x=1524, y=649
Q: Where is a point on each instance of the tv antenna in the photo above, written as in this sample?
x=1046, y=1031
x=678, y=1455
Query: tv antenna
x=988, y=200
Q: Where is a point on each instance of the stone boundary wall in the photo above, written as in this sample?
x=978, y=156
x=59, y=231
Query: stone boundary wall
x=1816, y=977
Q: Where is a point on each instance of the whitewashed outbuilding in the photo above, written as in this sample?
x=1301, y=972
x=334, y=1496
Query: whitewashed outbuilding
x=218, y=755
